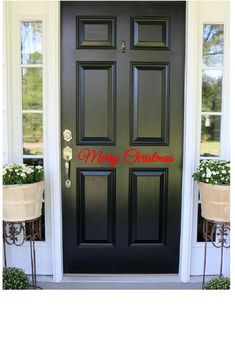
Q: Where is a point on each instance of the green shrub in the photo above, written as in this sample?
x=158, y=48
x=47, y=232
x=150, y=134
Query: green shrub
x=222, y=283
x=14, y=279
x=215, y=172
x=21, y=174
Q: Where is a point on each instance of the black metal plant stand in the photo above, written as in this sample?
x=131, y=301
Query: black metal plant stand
x=15, y=233
x=221, y=229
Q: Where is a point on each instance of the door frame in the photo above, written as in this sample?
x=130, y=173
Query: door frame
x=51, y=11
x=188, y=187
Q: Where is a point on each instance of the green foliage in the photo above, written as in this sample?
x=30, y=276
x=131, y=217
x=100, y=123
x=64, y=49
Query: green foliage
x=211, y=92
x=21, y=174
x=213, y=38
x=32, y=88
x=222, y=283
x=216, y=172
x=33, y=128
x=33, y=133
x=14, y=279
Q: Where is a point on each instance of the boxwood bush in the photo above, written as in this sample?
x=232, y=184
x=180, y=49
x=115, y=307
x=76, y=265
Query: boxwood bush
x=14, y=279
x=218, y=283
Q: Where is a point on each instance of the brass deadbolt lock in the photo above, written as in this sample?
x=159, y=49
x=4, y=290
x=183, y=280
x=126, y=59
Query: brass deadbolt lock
x=67, y=134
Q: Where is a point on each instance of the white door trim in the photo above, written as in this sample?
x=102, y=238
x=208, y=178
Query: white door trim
x=190, y=119
x=54, y=153
x=189, y=146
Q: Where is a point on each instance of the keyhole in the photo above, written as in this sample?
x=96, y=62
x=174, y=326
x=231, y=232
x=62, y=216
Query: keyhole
x=123, y=46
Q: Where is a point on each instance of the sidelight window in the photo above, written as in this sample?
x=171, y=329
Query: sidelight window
x=212, y=82
x=32, y=93
x=211, y=98
x=32, y=88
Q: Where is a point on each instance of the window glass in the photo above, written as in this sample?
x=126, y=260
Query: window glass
x=212, y=87
x=213, y=43
x=32, y=96
x=31, y=88
x=211, y=100
x=32, y=134
x=200, y=227
x=211, y=90
x=31, y=42
x=210, y=135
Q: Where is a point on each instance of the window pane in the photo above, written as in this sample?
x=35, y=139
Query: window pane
x=34, y=162
x=42, y=226
x=200, y=226
x=31, y=42
x=32, y=88
x=210, y=135
x=211, y=90
x=32, y=134
x=213, y=42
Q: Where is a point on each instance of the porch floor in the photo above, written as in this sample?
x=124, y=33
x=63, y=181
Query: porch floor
x=116, y=282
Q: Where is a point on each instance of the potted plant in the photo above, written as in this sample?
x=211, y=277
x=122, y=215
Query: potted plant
x=213, y=178
x=23, y=187
x=14, y=279
x=219, y=283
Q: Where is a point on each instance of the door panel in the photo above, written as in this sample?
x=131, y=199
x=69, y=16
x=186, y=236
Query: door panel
x=96, y=208
x=150, y=100
x=122, y=81
x=95, y=32
x=148, y=206
x=96, y=99
x=150, y=32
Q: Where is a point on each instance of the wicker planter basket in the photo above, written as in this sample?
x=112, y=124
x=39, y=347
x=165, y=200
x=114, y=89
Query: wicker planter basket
x=22, y=202
x=215, y=202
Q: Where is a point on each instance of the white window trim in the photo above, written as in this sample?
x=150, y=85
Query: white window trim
x=52, y=144
x=190, y=146
x=48, y=13
x=216, y=13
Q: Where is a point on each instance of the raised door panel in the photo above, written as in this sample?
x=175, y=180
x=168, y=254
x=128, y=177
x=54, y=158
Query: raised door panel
x=96, y=103
x=148, y=203
x=96, y=206
x=150, y=33
x=150, y=104
x=96, y=32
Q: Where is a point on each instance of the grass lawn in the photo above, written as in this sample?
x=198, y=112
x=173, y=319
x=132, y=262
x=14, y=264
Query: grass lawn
x=210, y=148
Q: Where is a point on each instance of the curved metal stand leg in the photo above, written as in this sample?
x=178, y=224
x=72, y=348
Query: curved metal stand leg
x=221, y=260
x=32, y=254
x=205, y=229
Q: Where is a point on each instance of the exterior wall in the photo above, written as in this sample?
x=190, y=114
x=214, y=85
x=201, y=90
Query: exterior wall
x=190, y=251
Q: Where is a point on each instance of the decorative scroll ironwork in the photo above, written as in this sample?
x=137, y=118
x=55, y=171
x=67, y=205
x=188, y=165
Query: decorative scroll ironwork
x=14, y=233
x=221, y=229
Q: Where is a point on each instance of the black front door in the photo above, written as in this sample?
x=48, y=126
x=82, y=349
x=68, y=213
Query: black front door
x=122, y=73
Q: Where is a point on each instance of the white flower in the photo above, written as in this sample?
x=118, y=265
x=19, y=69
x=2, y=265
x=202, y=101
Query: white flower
x=223, y=172
x=208, y=173
x=207, y=180
x=23, y=174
